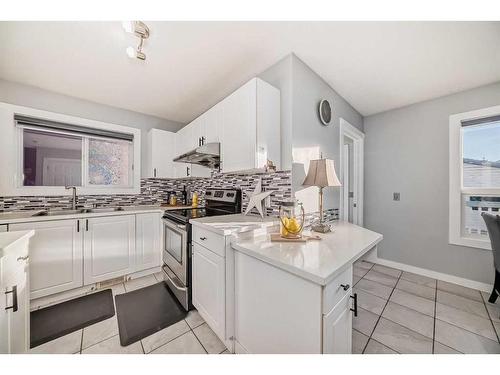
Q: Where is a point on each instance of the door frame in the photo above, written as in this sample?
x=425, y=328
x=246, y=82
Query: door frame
x=357, y=137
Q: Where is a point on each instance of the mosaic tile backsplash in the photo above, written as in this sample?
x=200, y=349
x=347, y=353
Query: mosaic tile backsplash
x=156, y=191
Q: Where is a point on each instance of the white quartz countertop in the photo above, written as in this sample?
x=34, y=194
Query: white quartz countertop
x=31, y=216
x=233, y=224
x=318, y=261
x=8, y=239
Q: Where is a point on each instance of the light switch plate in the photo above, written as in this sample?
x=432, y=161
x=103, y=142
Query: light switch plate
x=396, y=196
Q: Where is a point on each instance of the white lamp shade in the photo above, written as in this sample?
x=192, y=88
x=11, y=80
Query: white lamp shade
x=322, y=174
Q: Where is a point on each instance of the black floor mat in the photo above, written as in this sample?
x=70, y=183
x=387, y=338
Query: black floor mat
x=145, y=311
x=58, y=320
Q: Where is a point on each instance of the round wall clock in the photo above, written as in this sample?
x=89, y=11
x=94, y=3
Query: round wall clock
x=325, y=112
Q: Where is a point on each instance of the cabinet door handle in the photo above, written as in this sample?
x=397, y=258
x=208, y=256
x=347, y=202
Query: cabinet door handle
x=203, y=238
x=23, y=258
x=14, y=299
x=199, y=142
x=202, y=140
x=154, y=172
x=187, y=171
x=78, y=225
x=345, y=287
x=355, y=298
x=86, y=225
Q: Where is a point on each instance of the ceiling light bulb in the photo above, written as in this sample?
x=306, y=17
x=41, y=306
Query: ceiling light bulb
x=131, y=52
x=128, y=26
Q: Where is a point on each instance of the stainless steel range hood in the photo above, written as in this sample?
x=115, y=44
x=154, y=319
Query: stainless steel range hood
x=207, y=155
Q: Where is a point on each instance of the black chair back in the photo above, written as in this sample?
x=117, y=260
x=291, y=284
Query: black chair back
x=493, y=226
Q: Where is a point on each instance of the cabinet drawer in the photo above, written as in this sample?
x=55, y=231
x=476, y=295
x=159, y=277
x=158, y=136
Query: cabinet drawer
x=212, y=241
x=334, y=292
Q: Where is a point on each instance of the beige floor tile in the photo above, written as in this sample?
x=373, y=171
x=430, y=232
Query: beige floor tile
x=363, y=264
x=497, y=328
x=381, y=278
x=358, y=271
x=459, y=290
x=464, y=341
x=418, y=290
x=364, y=322
x=401, y=339
x=99, y=332
x=462, y=303
x=374, y=288
x=118, y=289
x=465, y=320
x=359, y=341
x=493, y=308
x=387, y=270
x=160, y=338
x=409, y=318
x=112, y=346
x=370, y=302
x=209, y=340
x=139, y=283
x=420, y=304
x=68, y=344
x=419, y=279
x=355, y=280
x=443, y=349
x=159, y=276
x=194, y=319
x=185, y=344
x=374, y=347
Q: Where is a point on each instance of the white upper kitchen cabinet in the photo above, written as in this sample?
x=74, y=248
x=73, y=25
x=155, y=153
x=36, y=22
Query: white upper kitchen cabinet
x=251, y=127
x=161, y=150
x=109, y=247
x=56, y=256
x=148, y=240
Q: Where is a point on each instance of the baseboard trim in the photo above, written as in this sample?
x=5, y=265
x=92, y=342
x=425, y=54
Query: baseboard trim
x=372, y=257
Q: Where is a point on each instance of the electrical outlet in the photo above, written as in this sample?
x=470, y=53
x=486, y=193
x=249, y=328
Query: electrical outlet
x=396, y=196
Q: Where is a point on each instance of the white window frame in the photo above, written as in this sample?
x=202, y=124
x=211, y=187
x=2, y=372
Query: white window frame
x=11, y=151
x=456, y=189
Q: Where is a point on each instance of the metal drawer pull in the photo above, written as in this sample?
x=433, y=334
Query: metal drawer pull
x=203, y=238
x=345, y=286
x=355, y=298
x=23, y=258
x=14, y=299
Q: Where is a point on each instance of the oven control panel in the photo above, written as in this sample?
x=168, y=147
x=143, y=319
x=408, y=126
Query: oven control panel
x=221, y=195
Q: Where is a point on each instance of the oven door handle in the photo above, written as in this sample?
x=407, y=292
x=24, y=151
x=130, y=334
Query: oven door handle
x=174, y=280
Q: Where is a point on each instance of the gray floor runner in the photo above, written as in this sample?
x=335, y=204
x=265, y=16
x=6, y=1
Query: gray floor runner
x=58, y=320
x=145, y=311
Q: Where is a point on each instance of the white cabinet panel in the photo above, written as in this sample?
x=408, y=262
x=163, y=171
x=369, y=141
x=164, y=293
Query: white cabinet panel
x=160, y=154
x=209, y=288
x=14, y=324
x=55, y=256
x=337, y=328
x=109, y=247
x=239, y=129
x=148, y=240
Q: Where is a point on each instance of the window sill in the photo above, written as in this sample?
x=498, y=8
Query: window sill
x=471, y=242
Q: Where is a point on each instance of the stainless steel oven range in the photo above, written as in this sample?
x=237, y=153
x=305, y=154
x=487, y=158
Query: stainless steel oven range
x=177, y=239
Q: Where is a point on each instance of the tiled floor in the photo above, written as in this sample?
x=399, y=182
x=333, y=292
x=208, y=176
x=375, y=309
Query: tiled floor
x=191, y=335
x=401, y=312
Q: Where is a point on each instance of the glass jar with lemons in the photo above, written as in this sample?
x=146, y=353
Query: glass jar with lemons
x=292, y=219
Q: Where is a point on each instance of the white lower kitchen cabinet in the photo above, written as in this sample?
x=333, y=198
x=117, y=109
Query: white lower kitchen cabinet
x=14, y=286
x=278, y=312
x=56, y=256
x=109, y=247
x=209, y=286
x=148, y=240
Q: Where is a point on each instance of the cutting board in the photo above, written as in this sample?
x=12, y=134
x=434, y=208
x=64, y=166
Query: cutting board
x=276, y=237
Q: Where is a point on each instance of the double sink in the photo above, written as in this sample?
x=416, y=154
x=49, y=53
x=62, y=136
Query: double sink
x=79, y=211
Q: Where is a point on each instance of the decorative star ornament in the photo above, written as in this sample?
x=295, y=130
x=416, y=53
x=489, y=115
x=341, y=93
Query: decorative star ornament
x=257, y=199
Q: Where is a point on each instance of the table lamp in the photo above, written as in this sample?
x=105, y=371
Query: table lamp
x=321, y=174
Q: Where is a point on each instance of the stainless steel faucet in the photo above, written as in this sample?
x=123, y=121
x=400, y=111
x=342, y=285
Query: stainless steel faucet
x=73, y=202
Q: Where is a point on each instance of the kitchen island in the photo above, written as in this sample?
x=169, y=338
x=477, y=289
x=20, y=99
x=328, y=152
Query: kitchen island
x=274, y=297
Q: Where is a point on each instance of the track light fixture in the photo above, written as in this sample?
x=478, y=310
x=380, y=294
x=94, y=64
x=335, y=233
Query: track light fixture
x=140, y=30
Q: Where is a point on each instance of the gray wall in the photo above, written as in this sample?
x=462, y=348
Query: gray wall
x=406, y=151
x=29, y=96
x=301, y=91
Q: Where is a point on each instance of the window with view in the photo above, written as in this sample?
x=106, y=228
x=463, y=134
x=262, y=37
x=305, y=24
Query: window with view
x=55, y=154
x=474, y=175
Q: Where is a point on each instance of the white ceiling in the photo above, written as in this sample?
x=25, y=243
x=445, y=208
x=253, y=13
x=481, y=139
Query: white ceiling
x=191, y=66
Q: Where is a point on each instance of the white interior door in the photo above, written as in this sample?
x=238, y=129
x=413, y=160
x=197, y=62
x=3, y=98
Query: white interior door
x=61, y=172
x=351, y=208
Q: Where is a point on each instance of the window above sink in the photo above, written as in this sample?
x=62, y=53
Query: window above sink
x=44, y=152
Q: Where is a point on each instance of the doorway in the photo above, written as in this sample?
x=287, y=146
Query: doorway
x=351, y=173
